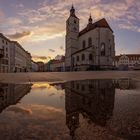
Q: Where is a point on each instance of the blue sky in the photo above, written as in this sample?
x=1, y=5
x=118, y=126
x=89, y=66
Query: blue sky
x=39, y=25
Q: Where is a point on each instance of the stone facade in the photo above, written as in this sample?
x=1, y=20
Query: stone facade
x=91, y=48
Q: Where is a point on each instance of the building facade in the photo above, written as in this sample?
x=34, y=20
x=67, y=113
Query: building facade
x=34, y=66
x=20, y=58
x=57, y=65
x=4, y=54
x=91, y=48
x=128, y=62
x=41, y=66
x=13, y=57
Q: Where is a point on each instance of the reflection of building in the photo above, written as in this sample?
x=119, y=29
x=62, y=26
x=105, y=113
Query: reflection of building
x=10, y=94
x=128, y=61
x=91, y=48
x=124, y=84
x=94, y=99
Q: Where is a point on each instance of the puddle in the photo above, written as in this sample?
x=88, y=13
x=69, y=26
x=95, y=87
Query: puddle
x=76, y=110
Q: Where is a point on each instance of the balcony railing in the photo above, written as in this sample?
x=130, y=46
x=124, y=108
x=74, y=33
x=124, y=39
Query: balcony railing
x=1, y=53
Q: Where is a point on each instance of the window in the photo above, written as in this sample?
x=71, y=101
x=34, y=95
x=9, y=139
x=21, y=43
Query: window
x=83, y=88
x=103, y=49
x=2, y=41
x=83, y=57
x=77, y=86
x=90, y=57
x=77, y=58
x=110, y=50
x=73, y=61
x=84, y=44
x=89, y=42
x=75, y=21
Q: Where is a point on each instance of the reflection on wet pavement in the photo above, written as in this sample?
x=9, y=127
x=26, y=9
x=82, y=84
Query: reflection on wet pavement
x=76, y=110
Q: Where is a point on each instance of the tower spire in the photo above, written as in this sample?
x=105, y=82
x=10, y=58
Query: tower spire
x=90, y=19
x=72, y=11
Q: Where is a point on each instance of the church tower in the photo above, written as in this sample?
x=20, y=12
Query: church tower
x=72, y=32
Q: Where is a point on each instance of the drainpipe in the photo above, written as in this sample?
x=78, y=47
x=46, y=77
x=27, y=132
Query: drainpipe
x=99, y=48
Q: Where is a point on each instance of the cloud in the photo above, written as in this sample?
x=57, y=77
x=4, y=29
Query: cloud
x=19, y=35
x=58, y=57
x=21, y=110
x=46, y=20
x=20, y=5
x=1, y=17
x=37, y=58
x=62, y=48
x=51, y=50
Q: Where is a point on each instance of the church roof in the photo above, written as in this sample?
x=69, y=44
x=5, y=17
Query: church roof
x=101, y=23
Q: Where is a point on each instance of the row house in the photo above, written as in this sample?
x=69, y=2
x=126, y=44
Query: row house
x=128, y=61
x=4, y=54
x=13, y=57
x=56, y=65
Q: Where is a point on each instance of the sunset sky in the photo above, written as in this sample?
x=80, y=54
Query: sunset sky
x=39, y=25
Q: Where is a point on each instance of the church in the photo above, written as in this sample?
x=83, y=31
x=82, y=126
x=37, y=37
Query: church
x=92, y=48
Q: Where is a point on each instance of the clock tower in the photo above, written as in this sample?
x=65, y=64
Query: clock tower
x=72, y=32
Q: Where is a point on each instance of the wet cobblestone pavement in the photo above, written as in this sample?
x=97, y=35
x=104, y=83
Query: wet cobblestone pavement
x=77, y=110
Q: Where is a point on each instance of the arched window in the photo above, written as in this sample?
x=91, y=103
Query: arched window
x=84, y=44
x=89, y=42
x=103, y=49
x=90, y=57
x=83, y=57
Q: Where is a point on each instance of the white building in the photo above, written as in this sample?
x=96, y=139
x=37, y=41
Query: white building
x=91, y=48
x=128, y=61
x=34, y=66
x=4, y=54
x=20, y=59
x=13, y=58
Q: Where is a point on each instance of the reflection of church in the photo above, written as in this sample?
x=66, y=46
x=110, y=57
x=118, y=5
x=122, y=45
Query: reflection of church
x=94, y=99
x=10, y=94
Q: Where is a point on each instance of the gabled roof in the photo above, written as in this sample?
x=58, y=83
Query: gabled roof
x=1, y=35
x=101, y=23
